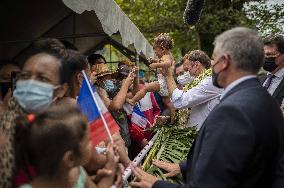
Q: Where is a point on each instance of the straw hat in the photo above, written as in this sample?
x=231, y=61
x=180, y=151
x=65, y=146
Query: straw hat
x=102, y=70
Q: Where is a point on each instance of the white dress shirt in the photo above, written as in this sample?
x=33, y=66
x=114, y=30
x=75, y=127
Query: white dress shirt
x=201, y=99
x=275, y=81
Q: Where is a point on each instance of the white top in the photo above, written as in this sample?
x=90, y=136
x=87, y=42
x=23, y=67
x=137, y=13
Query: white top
x=235, y=83
x=201, y=99
x=275, y=81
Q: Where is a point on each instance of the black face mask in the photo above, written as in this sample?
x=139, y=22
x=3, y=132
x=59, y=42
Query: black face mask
x=215, y=79
x=4, y=88
x=269, y=64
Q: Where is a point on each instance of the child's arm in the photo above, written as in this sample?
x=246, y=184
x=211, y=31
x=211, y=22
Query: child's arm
x=165, y=62
x=153, y=86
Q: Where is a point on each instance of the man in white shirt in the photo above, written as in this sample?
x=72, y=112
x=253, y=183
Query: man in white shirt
x=203, y=97
x=274, y=64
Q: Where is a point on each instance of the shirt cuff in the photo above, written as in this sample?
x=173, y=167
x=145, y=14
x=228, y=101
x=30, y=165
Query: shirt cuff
x=177, y=93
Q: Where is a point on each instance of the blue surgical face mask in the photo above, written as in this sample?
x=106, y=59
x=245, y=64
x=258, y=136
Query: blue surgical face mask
x=33, y=96
x=109, y=86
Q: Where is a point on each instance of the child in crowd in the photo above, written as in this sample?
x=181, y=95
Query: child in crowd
x=163, y=44
x=56, y=143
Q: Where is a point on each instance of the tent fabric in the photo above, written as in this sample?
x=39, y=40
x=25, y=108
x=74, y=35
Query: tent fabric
x=114, y=20
x=26, y=21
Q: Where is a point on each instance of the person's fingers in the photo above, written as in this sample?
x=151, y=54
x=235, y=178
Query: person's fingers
x=116, y=158
x=160, y=164
x=136, y=184
x=109, y=150
x=93, y=178
x=119, y=180
x=136, y=172
x=141, y=172
x=121, y=167
x=100, y=174
x=104, y=172
x=169, y=175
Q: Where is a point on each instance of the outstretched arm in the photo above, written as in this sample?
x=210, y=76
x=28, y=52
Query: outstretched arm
x=150, y=87
x=119, y=99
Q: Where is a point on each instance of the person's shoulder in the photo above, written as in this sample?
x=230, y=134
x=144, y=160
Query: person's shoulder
x=251, y=100
x=167, y=57
x=207, y=83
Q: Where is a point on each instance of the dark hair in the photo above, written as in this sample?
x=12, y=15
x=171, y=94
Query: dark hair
x=277, y=40
x=4, y=62
x=198, y=55
x=56, y=49
x=49, y=43
x=43, y=140
x=76, y=61
x=94, y=57
x=68, y=45
x=177, y=66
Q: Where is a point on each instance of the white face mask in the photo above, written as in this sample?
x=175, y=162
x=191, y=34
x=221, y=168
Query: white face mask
x=185, y=78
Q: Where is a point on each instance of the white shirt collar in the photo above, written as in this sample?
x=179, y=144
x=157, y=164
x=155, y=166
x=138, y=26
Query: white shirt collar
x=235, y=83
x=279, y=73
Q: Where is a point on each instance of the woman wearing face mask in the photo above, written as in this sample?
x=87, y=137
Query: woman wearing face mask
x=41, y=83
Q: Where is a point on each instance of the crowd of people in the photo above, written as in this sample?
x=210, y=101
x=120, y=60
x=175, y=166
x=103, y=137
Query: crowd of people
x=45, y=138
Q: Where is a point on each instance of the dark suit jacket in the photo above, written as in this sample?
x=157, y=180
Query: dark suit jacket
x=239, y=144
x=279, y=92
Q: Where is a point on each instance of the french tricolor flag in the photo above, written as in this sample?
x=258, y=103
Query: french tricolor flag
x=102, y=124
x=142, y=116
x=138, y=117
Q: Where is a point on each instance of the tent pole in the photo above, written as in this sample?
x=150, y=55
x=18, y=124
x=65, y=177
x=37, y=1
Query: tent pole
x=137, y=65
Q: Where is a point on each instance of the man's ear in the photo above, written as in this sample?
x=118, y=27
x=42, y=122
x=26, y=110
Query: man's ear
x=280, y=60
x=226, y=62
x=69, y=159
x=61, y=91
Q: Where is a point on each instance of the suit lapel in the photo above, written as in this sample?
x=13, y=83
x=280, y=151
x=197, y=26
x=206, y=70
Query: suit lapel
x=262, y=78
x=279, y=89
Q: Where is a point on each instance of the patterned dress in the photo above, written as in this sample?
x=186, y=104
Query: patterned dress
x=7, y=152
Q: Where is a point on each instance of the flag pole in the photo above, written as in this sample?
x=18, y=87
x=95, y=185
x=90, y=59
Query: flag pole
x=127, y=172
x=99, y=108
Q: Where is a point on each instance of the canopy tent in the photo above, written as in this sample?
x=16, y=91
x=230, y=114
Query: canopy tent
x=103, y=23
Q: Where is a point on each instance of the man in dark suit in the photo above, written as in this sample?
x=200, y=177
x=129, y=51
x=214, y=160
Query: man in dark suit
x=274, y=83
x=274, y=64
x=239, y=144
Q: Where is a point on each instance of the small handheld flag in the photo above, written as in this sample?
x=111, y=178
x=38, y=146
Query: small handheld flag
x=102, y=124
